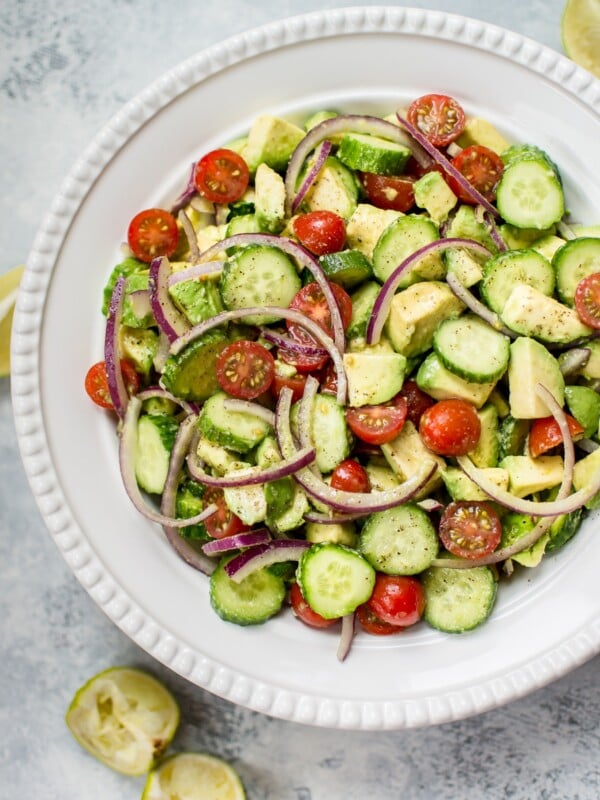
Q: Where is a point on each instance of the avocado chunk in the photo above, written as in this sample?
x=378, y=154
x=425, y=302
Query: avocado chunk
x=406, y=453
x=584, y=405
x=191, y=374
x=197, y=299
x=271, y=140
x=465, y=225
x=246, y=502
x=531, y=313
x=366, y=225
x=528, y=475
x=485, y=453
x=140, y=346
x=373, y=377
x=441, y=384
x=460, y=487
x=433, y=194
x=514, y=527
x=334, y=189
x=269, y=200
x=415, y=314
x=530, y=363
x=339, y=533
x=479, y=131
x=585, y=472
x=592, y=368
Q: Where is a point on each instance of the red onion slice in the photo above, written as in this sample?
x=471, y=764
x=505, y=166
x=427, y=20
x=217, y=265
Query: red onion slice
x=497, y=238
x=171, y=322
x=346, y=636
x=346, y=502
x=159, y=392
x=294, y=346
x=447, y=166
x=247, y=407
x=303, y=258
x=321, y=153
x=279, y=470
x=286, y=313
x=140, y=303
x=184, y=550
x=263, y=556
x=112, y=359
x=187, y=194
x=542, y=526
x=477, y=307
x=381, y=307
x=127, y=447
x=334, y=519
x=190, y=235
x=212, y=268
x=238, y=541
x=565, y=230
x=344, y=123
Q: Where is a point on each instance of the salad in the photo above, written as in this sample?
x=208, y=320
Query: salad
x=356, y=368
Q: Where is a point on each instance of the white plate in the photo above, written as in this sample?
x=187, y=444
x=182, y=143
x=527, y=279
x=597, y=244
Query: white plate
x=373, y=59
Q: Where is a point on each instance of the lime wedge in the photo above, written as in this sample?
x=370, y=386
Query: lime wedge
x=125, y=718
x=193, y=776
x=580, y=33
x=9, y=284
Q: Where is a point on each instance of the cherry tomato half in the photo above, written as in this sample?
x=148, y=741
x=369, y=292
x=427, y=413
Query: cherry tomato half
x=545, y=434
x=96, y=382
x=223, y=522
x=440, y=118
x=245, y=369
x=587, y=300
x=311, y=301
x=397, y=599
x=153, y=233
x=321, y=232
x=222, y=176
x=294, y=382
x=376, y=424
x=469, y=529
x=389, y=191
x=450, y=427
x=417, y=401
x=350, y=476
x=304, y=612
x=372, y=624
x=483, y=169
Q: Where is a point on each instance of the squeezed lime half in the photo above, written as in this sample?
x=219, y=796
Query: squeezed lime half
x=9, y=284
x=193, y=776
x=580, y=33
x=125, y=718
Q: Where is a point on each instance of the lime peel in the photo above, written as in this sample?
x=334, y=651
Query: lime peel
x=125, y=718
x=9, y=284
x=193, y=776
x=580, y=33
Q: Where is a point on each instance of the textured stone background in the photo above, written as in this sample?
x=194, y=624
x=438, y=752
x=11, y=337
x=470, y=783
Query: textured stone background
x=65, y=68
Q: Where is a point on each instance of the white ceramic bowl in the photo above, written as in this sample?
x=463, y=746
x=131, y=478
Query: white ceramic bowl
x=358, y=59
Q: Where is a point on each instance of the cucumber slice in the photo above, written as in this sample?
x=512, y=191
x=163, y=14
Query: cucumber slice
x=529, y=194
x=402, y=238
x=330, y=433
x=472, y=349
x=363, y=300
x=259, y=275
x=334, y=579
x=505, y=270
x=250, y=601
x=235, y=430
x=155, y=439
x=458, y=600
x=399, y=541
x=372, y=154
x=347, y=267
x=573, y=262
x=191, y=374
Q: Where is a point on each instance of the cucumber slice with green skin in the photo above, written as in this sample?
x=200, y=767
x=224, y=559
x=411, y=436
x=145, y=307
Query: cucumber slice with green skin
x=259, y=275
x=251, y=601
x=573, y=262
x=191, y=374
x=155, y=439
x=529, y=194
x=334, y=579
x=458, y=600
x=347, y=267
x=235, y=430
x=330, y=432
x=399, y=541
x=472, y=349
x=372, y=154
x=505, y=270
x=403, y=237
x=363, y=300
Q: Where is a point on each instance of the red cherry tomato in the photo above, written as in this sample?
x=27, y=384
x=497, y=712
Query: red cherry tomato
x=376, y=424
x=544, y=434
x=450, y=427
x=96, y=383
x=245, y=369
x=469, y=529
x=223, y=522
x=294, y=382
x=417, y=401
x=153, y=233
x=483, y=169
x=311, y=301
x=329, y=379
x=350, y=476
x=389, y=191
x=440, y=118
x=304, y=612
x=397, y=599
x=372, y=624
x=587, y=300
x=222, y=176
x=321, y=232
